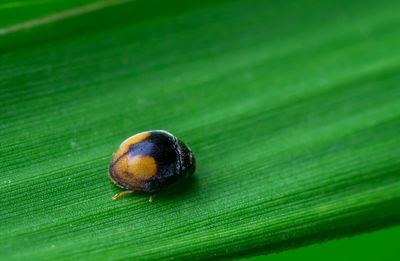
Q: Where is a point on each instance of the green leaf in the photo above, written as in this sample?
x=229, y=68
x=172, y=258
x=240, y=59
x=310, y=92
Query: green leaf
x=379, y=245
x=292, y=110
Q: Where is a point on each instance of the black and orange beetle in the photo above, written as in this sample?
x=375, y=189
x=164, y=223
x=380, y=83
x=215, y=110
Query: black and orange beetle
x=150, y=161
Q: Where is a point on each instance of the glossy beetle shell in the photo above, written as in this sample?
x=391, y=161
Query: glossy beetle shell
x=151, y=160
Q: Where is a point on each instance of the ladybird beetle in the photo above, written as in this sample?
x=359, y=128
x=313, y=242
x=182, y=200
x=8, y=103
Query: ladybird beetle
x=150, y=161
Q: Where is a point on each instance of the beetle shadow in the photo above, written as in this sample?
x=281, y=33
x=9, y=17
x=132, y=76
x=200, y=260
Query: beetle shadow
x=181, y=189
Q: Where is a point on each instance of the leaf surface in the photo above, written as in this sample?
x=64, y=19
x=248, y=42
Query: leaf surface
x=292, y=111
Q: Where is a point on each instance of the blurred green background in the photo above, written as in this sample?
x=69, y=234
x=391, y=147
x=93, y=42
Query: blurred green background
x=291, y=108
x=374, y=246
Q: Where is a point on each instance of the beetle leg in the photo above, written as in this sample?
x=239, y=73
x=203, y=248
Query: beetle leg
x=151, y=198
x=122, y=193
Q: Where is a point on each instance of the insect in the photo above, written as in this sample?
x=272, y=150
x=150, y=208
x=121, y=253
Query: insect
x=150, y=161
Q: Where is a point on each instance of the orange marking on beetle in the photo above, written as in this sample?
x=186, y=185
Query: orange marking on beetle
x=142, y=167
x=124, y=147
x=121, y=172
x=118, y=169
